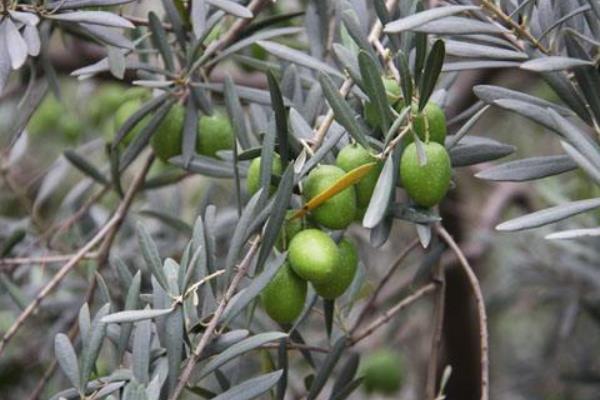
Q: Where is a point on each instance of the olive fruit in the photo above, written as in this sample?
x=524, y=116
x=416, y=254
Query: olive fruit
x=214, y=133
x=432, y=117
x=382, y=371
x=289, y=229
x=253, y=177
x=313, y=255
x=283, y=298
x=168, y=137
x=353, y=156
x=344, y=272
x=426, y=184
x=126, y=110
x=394, y=94
x=338, y=211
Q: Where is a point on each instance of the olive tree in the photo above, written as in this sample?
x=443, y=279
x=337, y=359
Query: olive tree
x=261, y=292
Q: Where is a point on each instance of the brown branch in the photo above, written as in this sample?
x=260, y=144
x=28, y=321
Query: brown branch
x=50, y=259
x=387, y=315
x=483, y=332
x=210, y=329
x=436, y=338
x=394, y=266
x=107, y=230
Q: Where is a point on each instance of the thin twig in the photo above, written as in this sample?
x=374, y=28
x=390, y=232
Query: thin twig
x=436, y=338
x=483, y=332
x=108, y=229
x=255, y=6
x=349, y=82
x=393, y=267
x=50, y=259
x=210, y=329
x=387, y=315
x=518, y=29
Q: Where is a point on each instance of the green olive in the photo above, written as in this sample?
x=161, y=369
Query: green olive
x=283, y=298
x=344, y=272
x=340, y=210
x=313, y=255
x=426, y=184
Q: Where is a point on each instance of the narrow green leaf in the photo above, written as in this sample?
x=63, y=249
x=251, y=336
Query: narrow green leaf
x=406, y=81
x=346, y=375
x=235, y=112
x=382, y=193
x=240, y=234
x=135, y=315
x=131, y=303
x=277, y=217
x=371, y=77
x=67, y=359
x=251, y=388
x=554, y=63
x=238, y=349
x=94, y=343
x=415, y=20
x=529, y=169
x=143, y=138
x=174, y=344
x=280, y=118
x=254, y=289
x=190, y=131
x=298, y=57
x=160, y=41
x=232, y=7
x=342, y=111
x=141, y=350
x=476, y=149
x=326, y=369
x=85, y=167
x=151, y=256
x=549, y=215
x=433, y=67
x=329, y=312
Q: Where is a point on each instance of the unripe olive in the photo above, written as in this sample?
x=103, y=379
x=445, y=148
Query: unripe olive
x=353, y=156
x=394, y=94
x=426, y=184
x=289, y=229
x=283, y=298
x=431, y=117
x=126, y=110
x=344, y=272
x=313, y=255
x=253, y=177
x=167, y=139
x=337, y=212
x=214, y=133
x=382, y=371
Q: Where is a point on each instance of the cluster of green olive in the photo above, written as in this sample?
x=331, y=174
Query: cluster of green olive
x=312, y=255
x=426, y=181
x=215, y=132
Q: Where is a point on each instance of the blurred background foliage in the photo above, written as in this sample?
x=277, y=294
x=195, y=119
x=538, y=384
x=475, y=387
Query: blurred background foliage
x=542, y=296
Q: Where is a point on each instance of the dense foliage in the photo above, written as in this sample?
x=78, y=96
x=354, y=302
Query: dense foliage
x=207, y=237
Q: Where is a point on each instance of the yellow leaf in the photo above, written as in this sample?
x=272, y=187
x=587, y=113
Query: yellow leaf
x=349, y=179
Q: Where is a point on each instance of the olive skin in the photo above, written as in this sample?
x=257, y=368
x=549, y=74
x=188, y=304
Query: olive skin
x=382, y=372
x=289, y=229
x=167, y=139
x=426, y=184
x=214, y=133
x=394, y=94
x=253, y=177
x=283, y=298
x=353, y=156
x=431, y=116
x=344, y=272
x=340, y=210
x=123, y=113
x=313, y=255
